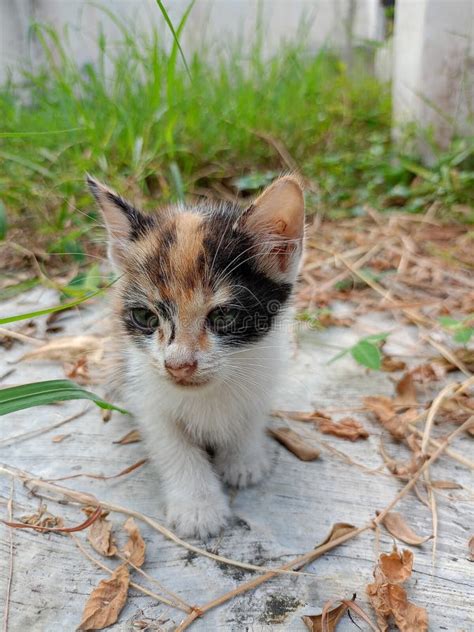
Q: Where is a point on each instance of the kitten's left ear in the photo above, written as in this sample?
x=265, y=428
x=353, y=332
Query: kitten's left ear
x=276, y=223
x=123, y=221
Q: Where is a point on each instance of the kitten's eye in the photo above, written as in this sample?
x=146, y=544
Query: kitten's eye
x=144, y=319
x=221, y=318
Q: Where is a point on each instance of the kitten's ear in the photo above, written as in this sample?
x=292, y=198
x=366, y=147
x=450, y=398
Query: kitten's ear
x=276, y=222
x=123, y=221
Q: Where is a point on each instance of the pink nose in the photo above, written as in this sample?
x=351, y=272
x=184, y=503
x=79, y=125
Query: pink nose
x=181, y=371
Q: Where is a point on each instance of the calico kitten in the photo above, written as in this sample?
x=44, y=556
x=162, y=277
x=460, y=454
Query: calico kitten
x=199, y=324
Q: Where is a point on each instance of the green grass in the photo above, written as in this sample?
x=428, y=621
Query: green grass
x=158, y=133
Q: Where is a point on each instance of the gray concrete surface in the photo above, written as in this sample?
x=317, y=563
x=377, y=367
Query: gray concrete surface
x=285, y=516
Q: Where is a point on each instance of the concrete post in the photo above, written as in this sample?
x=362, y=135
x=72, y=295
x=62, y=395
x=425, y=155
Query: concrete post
x=433, y=68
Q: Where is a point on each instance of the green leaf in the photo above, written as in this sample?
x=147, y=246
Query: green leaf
x=376, y=337
x=463, y=335
x=367, y=354
x=40, y=393
x=447, y=321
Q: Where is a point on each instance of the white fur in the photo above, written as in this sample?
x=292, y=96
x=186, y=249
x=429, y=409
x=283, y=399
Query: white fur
x=228, y=414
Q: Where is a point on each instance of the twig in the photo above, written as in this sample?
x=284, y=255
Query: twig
x=452, y=453
x=467, y=424
x=16, y=335
x=80, y=527
x=185, y=606
x=33, y=433
x=433, y=410
x=6, y=609
x=449, y=355
x=83, y=498
x=102, y=477
x=253, y=583
x=142, y=589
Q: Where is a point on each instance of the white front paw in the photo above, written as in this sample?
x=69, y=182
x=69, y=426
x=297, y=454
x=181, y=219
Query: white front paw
x=201, y=518
x=244, y=470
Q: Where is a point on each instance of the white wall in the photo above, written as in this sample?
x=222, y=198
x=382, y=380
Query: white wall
x=214, y=22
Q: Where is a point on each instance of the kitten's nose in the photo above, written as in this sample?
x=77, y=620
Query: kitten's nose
x=181, y=370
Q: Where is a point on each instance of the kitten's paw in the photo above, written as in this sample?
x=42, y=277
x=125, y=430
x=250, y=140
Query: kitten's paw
x=244, y=471
x=199, y=518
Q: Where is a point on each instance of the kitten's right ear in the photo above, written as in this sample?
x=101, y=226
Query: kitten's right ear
x=123, y=221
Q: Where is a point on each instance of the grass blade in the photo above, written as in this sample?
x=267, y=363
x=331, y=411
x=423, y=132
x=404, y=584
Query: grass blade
x=173, y=32
x=54, y=308
x=40, y=393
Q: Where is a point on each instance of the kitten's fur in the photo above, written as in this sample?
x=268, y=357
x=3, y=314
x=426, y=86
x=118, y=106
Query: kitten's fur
x=177, y=267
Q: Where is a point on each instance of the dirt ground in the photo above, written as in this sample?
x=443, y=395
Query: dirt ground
x=361, y=278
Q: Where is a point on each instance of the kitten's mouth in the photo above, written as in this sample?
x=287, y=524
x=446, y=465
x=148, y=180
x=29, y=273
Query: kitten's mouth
x=191, y=383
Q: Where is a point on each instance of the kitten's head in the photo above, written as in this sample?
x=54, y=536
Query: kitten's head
x=202, y=284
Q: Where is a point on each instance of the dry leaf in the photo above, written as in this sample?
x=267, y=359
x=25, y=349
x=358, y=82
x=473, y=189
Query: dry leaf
x=43, y=519
x=425, y=373
x=327, y=319
x=295, y=443
x=384, y=411
x=406, y=391
x=133, y=436
x=59, y=438
x=314, y=622
x=396, y=526
x=106, y=601
x=347, y=428
x=134, y=549
x=471, y=548
x=390, y=365
x=445, y=485
x=69, y=349
x=388, y=598
x=100, y=536
x=395, y=566
x=407, y=616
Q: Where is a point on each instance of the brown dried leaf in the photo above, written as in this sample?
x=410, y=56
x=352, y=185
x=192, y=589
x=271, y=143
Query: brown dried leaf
x=337, y=530
x=390, y=365
x=59, y=438
x=384, y=410
x=471, y=548
x=430, y=372
x=406, y=391
x=407, y=616
x=106, y=601
x=395, y=524
x=100, y=536
x=395, y=566
x=327, y=319
x=134, y=549
x=378, y=597
x=295, y=443
x=133, y=436
x=314, y=622
x=347, y=428
x=69, y=349
x=390, y=599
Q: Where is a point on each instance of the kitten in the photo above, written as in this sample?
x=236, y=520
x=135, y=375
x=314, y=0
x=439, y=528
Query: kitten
x=199, y=323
